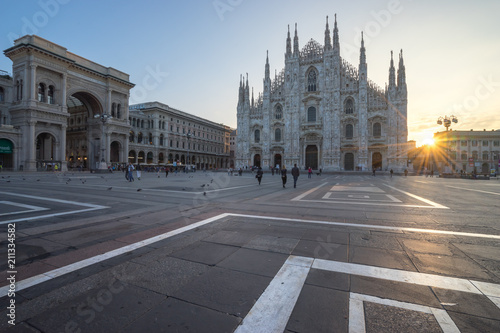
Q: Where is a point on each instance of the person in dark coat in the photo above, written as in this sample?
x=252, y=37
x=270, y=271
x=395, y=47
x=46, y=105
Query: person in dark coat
x=259, y=175
x=283, y=176
x=295, y=174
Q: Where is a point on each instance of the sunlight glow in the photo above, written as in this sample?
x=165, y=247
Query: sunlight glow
x=428, y=141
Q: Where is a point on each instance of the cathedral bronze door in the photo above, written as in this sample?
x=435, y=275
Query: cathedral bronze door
x=256, y=160
x=277, y=161
x=349, y=162
x=312, y=157
x=377, y=161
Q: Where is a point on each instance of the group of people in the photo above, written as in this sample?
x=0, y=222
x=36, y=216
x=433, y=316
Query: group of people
x=283, y=172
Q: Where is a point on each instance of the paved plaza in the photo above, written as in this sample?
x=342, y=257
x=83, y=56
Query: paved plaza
x=213, y=252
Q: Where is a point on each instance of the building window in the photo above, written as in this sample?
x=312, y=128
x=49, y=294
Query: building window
x=485, y=143
x=2, y=95
x=496, y=143
x=118, y=111
x=277, y=135
x=485, y=155
x=41, y=92
x=257, y=136
x=113, y=108
x=349, y=106
x=474, y=143
x=311, y=80
x=150, y=138
x=463, y=143
x=475, y=155
x=463, y=156
x=278, y=114
x=50, y=95
x=377, y=130
x=139, y=138
x=311, y=114
x=131, y=136
x=171, y=144
x=349, y=131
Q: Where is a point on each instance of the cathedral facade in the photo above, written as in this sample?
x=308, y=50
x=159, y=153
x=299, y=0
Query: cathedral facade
x=322, y=112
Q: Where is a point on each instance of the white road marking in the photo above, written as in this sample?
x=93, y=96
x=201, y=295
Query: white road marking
x=29, y=208
x=308, y=192
x=366, y=199
x=91, y=207
x=272, y=310
x=468, y=189
x=432, y=203
x=390, y=274
x=32, y=281
x=441, y=316
x=357, y=189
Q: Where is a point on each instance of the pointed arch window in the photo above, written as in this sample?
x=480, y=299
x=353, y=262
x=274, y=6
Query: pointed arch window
x=311, y=114
x=349, y=106
x=311, y=80
x=41, y=92
x=278, y=113
x=50, y=95
x=277, y=135
x=257, y=136
x=349, y=131
x=377, y=130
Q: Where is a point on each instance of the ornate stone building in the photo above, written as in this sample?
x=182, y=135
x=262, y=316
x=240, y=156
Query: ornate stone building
x=53, y=107
x=160, y=135
x=322, y=112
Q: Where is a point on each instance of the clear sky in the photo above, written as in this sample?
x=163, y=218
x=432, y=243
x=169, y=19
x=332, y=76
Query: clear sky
x=190, y=54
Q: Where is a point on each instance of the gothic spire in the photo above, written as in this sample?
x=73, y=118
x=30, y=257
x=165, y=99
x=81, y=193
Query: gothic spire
x=362, y=51
x=336, y=44
x=267, y=66
x=328, y=41
x=252, y=98
x=288, y=43
x=392, y=74
x=247, y=92
x=401, y=71
x=296, y=43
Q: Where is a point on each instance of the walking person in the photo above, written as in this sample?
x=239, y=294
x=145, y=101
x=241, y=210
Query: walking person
x=391, y=172
x=259, y=174
x=166, y=171
x=406, y=172
x=138, y=171
x=295, y=175
x=130, y=170
x=309, y=172
x=283, y=176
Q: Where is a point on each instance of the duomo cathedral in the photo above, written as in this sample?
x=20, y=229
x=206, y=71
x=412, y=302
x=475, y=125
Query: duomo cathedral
x=322, y=112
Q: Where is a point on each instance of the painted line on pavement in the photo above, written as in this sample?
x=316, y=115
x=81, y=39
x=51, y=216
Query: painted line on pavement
x=371, y=226
x=91, y=207
x=34, y=280
x=468, y=189
x=16, y=204
x=429, y=202
x=284, y=289
x=357, y=312
x=308, y=192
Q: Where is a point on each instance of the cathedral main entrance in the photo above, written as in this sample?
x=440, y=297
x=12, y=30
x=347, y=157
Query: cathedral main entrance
x=312, y=157
x=256, y=160
x=377, y=161
x=277, y=161
x=349, y=162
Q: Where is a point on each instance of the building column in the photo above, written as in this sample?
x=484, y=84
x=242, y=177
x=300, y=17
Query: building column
x=30, y=161
x=63, y=93
x=33, y=82
x=107, y=158
x=62, y=148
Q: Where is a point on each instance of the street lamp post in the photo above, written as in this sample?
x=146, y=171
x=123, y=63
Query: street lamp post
x=446, y=122
x=104, y=118
x=188, y=135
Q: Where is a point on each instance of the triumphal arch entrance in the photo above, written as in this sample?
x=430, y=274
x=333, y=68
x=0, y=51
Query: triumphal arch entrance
x=70, y=112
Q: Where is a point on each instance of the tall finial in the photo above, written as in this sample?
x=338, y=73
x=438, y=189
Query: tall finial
x=266, y=71
x=392, y=73
x=296, y=42
x=336, y=44
x=328, y=42
x=362, y=52
x=401, y=72
x=288, y=43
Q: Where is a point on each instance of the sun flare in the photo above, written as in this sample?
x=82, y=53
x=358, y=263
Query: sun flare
x=428, y=141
